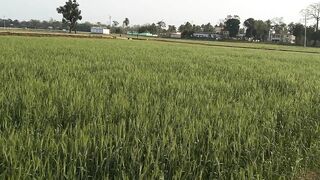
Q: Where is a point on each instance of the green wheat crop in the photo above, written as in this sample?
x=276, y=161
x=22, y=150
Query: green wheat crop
x=116, y=109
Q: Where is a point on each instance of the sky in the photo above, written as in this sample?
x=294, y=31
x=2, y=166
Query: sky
x=173, y=12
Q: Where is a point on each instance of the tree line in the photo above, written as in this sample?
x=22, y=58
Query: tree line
x=253, y=29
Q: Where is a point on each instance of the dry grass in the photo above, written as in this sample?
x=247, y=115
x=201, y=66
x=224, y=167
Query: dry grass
x=310, y=175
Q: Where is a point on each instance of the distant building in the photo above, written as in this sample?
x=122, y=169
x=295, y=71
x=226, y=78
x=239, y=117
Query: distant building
x=282, y=38
x=241, y=36
x=221, y=32
x=218, y=30
x=100, y=30
x=290, y=39
x=146, y=34
x=275, y=37
x=203, y=35
x=176, y=35
x=207, y=35
x=225, y=34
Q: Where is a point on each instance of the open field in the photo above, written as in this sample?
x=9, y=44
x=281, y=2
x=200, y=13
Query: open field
x=39, y=33
x=236, y=44
x=28, y=30
x=93, y=108
x=248, y=45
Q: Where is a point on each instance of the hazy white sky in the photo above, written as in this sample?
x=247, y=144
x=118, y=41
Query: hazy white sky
x=148, y=11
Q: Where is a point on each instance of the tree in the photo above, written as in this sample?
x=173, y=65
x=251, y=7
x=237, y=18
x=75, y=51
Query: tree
x=161, y=24
x=279, y=26
x=71, y=14
x=313, y=12
x=86, y=27
x=16, y=23
x=196, y=28
x=311, y=34
x=35, y=23
x=207, y=28
x=115, y=23
x=249, y=24
x=172, y=29
x=148, y=28
x=298, y=31
x=242, y=31
x=126, y=22
x=143, y=29
x=262, y=30
x=152, y=28
x=186, y=30
x=232, y=25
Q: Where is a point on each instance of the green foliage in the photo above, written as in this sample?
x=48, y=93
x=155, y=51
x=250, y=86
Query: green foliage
x=172, y=29
x=84, y=27
x=126, y=22
x=207, y=28
x=186, y=30
x=232, y=25
x=313, y=12
x=97, y=109
x=262, y=30
x=249, y=24
x=196, y=28
x=115, y=23
x=71, y=14
x=298, y=31
x=161, y=24
x=153, y=29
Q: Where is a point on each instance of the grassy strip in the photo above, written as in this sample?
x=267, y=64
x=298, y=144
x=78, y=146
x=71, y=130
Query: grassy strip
x=233, y=45
x=40, y=34
x=268, y=47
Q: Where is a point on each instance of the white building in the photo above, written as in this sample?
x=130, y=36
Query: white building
x=208, y=35
x=203, y=35
x=99, y=30
x=218, y=30
x=283, y=38
x=176, y=35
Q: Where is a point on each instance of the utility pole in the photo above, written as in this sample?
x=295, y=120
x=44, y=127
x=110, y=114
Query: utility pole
x=305, y=30
x=4, y=22
x=305, y=13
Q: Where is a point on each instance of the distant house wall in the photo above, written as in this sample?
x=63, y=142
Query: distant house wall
x=218, y=30
x=202, y=35
x=142, y=34
x=100, y=30
x=175, y=35
x=208, y=35
x=284, y=38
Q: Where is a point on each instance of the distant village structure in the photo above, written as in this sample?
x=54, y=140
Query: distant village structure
x=100, y=30
x=281, y=37
x=220, y=33
x=146, y=34
x=176, y=35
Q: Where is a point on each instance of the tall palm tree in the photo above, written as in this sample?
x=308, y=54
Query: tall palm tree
x=126, y=22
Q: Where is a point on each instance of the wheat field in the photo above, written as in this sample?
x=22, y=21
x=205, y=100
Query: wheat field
x=116, y=109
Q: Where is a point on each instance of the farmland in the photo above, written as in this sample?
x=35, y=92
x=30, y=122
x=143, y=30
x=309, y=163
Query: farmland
x=90, y=108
